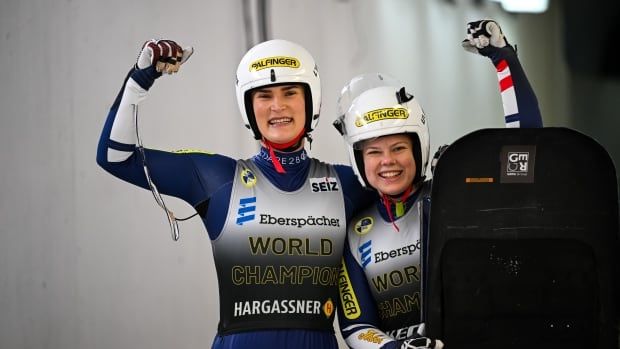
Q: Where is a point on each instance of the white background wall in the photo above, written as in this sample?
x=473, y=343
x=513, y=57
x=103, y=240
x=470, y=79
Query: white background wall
x=86, y=260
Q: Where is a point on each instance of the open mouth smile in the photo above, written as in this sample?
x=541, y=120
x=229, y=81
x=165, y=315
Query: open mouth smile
x=390, y=174
x=280, y=121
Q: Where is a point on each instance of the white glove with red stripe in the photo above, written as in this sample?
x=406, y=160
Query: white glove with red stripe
x=166, y=55
x=483, y=35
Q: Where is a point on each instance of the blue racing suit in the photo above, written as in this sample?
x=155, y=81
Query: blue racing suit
x=277, y=238
x=380, y=281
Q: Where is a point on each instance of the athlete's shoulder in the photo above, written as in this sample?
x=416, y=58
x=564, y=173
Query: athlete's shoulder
x=351, y=186
x=359, y=196
x=192, y=151
x=213, y=169
x=345, y=173
x=200, y=155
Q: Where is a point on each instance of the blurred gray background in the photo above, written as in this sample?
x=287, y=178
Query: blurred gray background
x=86, y=260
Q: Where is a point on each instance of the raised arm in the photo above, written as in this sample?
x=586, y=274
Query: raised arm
x=118, y=140
x=117, y=152
x=486, y=38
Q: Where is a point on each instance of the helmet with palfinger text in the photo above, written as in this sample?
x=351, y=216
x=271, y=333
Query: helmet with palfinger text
x=376, y=105
x=277, y=62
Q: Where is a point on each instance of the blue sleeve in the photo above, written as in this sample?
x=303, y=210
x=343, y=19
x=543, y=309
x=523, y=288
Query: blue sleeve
x=356, y=197
x=518, y=97
x=193, y=176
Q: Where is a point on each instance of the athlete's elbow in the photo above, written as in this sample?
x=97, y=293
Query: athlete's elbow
x=102, y=160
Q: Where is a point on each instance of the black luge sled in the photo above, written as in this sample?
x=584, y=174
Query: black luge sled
x=523, y=246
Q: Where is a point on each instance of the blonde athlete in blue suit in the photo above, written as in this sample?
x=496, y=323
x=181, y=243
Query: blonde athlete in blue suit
x=386, y=132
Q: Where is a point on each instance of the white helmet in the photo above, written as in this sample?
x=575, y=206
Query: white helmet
x=277, y=62
x=375, y=105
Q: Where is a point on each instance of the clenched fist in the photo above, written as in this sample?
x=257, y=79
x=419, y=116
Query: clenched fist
x=166, y=55
x=482, y=35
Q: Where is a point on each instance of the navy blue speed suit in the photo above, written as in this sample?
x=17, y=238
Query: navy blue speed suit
x=277, y=263
x=380, y=280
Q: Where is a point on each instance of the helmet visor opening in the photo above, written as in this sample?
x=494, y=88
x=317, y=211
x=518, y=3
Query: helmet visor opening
x=249, y=105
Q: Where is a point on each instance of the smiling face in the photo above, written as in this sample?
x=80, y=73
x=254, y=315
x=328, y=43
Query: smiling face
x=389, y=164
x=280, y=112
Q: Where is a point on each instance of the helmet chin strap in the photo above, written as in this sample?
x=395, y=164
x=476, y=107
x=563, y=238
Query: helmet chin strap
x=294, y=143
